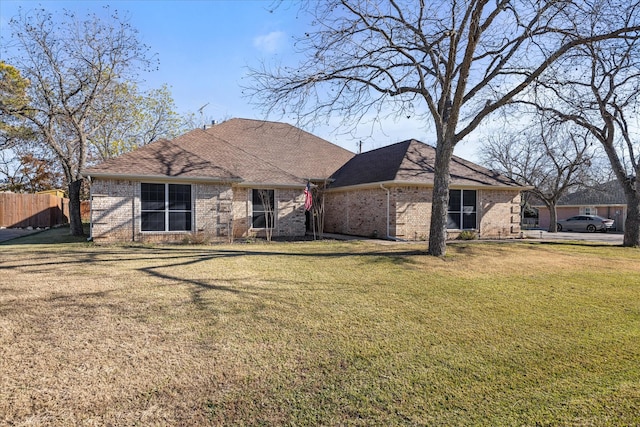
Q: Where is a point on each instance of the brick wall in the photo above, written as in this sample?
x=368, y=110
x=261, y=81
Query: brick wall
x=289, y=210
x=213, y=211
x=219, y=211
x=112, y=210
x=364, y=212
x=359, y=213
x=115, y=211
x=500, y=213
x=413, y=212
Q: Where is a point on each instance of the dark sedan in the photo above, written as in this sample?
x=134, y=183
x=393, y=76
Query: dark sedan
x=591, y=223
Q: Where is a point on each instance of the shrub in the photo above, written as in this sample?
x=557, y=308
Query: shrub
x=467, y=235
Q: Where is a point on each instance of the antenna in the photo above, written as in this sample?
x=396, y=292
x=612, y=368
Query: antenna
x=202, y=114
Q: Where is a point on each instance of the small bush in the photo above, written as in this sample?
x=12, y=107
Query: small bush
x=467, y=235
x=198, y=238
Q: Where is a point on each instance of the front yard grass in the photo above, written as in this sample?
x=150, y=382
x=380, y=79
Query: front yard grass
x=319, y=333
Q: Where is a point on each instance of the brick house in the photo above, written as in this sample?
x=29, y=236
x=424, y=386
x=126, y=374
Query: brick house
x=607, y=200
x=243, y=177
x=388, y=193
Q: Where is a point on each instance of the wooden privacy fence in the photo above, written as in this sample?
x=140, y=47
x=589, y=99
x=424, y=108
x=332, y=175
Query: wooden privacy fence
x=32, y=210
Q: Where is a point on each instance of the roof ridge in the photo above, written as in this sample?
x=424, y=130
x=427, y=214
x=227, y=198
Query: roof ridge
x=229, y=143
x=289, y=125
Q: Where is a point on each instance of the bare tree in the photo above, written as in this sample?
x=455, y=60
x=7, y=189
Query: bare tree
x=267, y=202
x=72, y=66
x=550, y=158
x=445, y=62
x=603, y=98
x=316, y=213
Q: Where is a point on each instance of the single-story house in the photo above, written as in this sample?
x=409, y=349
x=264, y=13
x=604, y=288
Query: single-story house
x=388, y=192
x=606, y=200
x=242, y=177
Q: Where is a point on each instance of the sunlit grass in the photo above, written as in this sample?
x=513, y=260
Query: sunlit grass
x=320, y=333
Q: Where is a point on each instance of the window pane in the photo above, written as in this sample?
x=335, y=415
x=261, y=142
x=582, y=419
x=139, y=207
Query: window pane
x=263, y=202
x=469, y=221
x=179, y=197
x=179, y=221
x=469, y=209
x=453, y=221
x=152, y=197
x=455, y=200
x=261, y=199
x=152, y=221
x=469, y=200
x=256, y=200
x=259, y=220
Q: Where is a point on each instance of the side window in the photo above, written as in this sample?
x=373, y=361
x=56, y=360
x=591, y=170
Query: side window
x=263, y=213
x=462, y=211
x=165, y=207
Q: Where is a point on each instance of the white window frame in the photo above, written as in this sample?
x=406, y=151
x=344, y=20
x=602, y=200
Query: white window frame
x=167, y=211
x=588, y=210
x=464, y=209
x=275, y=209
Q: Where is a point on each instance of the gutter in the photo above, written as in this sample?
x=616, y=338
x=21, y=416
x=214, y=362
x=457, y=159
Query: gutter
x=162, y=178
x=399, y=183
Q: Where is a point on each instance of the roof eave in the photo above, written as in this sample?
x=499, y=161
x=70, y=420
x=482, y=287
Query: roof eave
x=397, y=183
x=139, y=177
x=246, y=184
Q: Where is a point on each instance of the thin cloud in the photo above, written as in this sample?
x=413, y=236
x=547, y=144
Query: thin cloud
x=269, y=43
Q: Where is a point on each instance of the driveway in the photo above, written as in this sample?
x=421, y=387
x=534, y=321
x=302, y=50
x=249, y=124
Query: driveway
x=614, y=238
x=13, y=233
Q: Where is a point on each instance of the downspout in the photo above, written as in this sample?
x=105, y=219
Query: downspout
x=133, y=210
x=389, y=237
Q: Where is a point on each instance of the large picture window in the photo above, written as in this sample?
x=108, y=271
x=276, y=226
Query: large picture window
x=462, y=212
x=263, y=202
x=166, y=207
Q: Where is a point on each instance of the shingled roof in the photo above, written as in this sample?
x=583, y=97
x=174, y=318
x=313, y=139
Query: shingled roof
x=412, y=162
x=241, y=150
x=284, y=146
x=609, y=193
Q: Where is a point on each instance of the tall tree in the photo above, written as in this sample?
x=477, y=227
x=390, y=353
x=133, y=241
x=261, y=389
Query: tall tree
x=549, y=157
x=448, y=62
x=597, y=89
x=136, y=118
x=72, y=65
x=13, y=101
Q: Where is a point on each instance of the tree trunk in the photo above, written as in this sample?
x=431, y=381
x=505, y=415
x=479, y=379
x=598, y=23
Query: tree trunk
x=553, y=218
x=440, y=202
x=632, y=223
x=75, y=219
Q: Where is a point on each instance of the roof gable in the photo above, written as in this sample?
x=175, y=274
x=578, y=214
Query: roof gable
x=410, y=162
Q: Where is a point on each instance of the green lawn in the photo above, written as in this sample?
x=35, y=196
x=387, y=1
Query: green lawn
x=319, y=333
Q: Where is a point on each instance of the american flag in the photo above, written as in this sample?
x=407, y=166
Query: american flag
x=308, y=198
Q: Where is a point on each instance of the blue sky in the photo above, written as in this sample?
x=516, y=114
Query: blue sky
x=205, y=47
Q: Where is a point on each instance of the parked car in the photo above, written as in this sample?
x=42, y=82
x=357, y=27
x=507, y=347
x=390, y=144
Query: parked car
x=591, y=223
